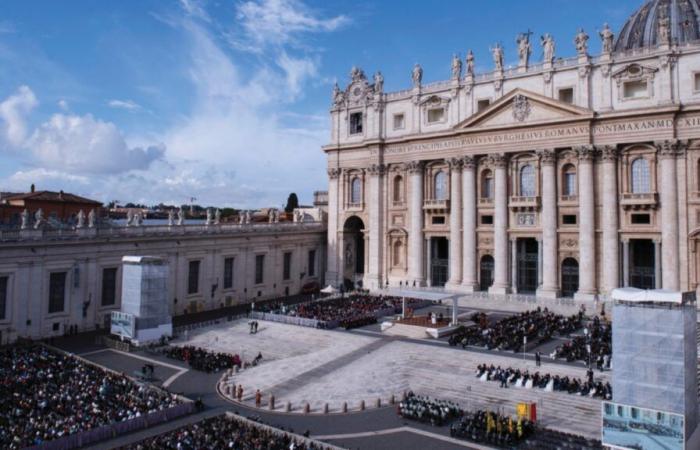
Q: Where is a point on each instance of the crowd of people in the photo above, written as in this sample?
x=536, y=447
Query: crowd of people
x=508, y=334
x=202, y=359
x=600, y=346
x=509, y=377
x=352, y=311
x=47, y=395
x=224, y=432
x=423, y=409
x=491, y=428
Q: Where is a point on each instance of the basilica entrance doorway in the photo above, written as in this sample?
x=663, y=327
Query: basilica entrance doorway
x=527, y=257
x=642, y=266
x=439, y=261
x=486, y=266
x=569, y=277
x=353, y=251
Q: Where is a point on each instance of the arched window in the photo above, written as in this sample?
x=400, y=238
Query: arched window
x=440, y=186
x=486, y=184
x=398, y=188
x=641, y=179
x=398, y=250
x=527, y=181
x=568, y=187
x=356, y=191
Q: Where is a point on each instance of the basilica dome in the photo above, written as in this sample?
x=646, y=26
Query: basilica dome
x=642, y=28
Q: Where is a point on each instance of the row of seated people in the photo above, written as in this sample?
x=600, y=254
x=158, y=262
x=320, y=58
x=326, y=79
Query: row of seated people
x=509, y=333
x=490, y=428
x=601, y=346
x=515, y=377
x=352, y=311
x=201, y=359
x=424, y=409
x=47, y=395
x=221, y=432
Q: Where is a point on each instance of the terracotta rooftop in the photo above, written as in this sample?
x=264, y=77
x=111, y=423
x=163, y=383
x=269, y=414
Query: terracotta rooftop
x=50, y=196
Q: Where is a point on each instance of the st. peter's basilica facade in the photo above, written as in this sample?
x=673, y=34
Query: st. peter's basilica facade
x=561, y=177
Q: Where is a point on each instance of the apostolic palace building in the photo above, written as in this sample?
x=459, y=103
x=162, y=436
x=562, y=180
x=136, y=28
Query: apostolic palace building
x=558, y=177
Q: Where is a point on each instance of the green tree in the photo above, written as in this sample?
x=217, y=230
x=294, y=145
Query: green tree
x=292, y=202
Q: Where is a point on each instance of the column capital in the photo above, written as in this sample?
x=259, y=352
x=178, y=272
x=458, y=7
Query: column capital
x=468, y=162
x=415, y=166
x=585, y=153
x=376, y=169
x=455, y=163
x=334, y=173
x=608, y=153
x=671, y=149
x=547, y=156
x=499, y=160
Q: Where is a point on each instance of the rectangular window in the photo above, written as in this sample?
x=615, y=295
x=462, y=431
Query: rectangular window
x=569, y=219
x=312, y=263
x=399, y=121
x=436, y=115
x=566, y=95
x=487, y=220
x=696, y=82
x=482, y=104
x=635, y=89
x=3, y=297
x=438, y=220
x=641, y=219
x=109, y=286
x=57, y=292
x=193, y=278
x=287, y=266
x=259, y=269
x=228, y=273
x=356, y=123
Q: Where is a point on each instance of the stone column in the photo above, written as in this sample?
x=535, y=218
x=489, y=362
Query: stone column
x=469, y=281
x=500, y=279
x=625, y=262
x=415, y=236
x=657, y=264
x=548, y=256
x=334, y=249
x=376, y=209
x=586, y=229
x=455, y=270
x=610, y=220
x=514, y=265
x=669, y=216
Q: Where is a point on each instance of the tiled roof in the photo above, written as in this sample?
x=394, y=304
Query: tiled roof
x=50, y=196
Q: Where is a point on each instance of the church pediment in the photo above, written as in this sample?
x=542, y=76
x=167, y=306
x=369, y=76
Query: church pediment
x=520, y=107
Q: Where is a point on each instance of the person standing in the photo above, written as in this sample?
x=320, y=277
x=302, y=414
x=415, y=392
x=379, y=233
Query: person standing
x=538, y=359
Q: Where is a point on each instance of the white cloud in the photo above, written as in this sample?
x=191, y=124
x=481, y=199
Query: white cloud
x=49, y=179
x=278, y=22
x=63, y=105
x=83, y=144
x=194, y=8
x=128, y=105
x=13, y=116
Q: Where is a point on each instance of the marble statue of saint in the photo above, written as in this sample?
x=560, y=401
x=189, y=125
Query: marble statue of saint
x=247, y=216
x=138, y=219
x=25, y=219
x=548, y=47
x=378, y=83
x=38, y=218
x=456, y=67
x=607, y=36
x=241, y=217
x=129, y=218
x=180, y=216
x=171, y=218
x=356, y=74
x=338, y=96
x=91, y=219
x=664, y=31
x=81, y=219
x=210, y=219
x=417, y=75
x=348, y=255
x=470, y=63
x=581, y=42
x=497, y=52
x=271, y=215
x=524, y=48
x=217, y=216
x=277, y=216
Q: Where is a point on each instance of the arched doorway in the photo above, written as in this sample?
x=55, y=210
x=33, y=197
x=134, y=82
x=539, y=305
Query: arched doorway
x=569, y=277
x=486, y=266
x=353, y=251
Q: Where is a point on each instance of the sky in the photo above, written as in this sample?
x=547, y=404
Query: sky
x=226, y=101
